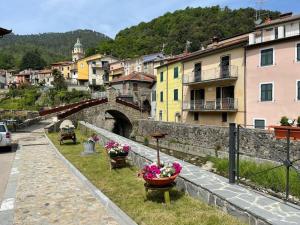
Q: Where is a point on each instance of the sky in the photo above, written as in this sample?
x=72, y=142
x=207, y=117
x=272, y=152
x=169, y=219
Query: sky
x=107, y=16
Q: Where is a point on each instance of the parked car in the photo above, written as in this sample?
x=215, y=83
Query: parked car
x=5, y=136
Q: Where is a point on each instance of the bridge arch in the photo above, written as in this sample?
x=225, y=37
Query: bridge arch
x=122, y=124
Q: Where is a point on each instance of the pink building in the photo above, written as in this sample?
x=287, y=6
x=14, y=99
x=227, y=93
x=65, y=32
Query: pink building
x=273, y=72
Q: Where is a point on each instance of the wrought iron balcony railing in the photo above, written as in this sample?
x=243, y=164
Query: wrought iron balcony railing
x=218, y=73
x=220, y=104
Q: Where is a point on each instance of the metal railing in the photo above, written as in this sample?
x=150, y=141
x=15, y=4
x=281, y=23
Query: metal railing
x=224, y=72
x=211, y=105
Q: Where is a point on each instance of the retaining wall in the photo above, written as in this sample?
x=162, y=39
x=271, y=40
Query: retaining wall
x=213, y=140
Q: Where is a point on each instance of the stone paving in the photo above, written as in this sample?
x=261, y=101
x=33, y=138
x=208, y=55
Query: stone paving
x=48, y=192
x=250, y=206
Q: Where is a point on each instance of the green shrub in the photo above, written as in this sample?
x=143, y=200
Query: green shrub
x=284, y=121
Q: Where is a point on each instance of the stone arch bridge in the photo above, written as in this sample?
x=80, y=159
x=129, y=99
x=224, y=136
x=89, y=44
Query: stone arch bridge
x=109, y=112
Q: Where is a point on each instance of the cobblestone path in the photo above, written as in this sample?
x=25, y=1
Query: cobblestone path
x=48, y=193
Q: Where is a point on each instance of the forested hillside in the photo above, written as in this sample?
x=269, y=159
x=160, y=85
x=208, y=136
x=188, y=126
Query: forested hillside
x=173, y=29
x=51, y=46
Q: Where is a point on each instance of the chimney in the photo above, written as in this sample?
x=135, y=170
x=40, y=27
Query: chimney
x=215, y=40
x=268, y=20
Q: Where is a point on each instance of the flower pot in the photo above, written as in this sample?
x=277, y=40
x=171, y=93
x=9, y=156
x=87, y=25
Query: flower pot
x=281, y=132
x=89, y=147
x=160, y=182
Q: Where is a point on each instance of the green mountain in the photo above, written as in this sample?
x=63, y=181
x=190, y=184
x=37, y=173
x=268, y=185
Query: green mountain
x=173, y=29
x=52, y=46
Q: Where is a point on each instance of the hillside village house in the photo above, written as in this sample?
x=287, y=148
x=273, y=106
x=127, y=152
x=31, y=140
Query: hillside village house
x=27, y=76
x=214, y=83
x=116, y=69
x=45, y=77
x=151, y=62
x=169, y=91
x=133, y=65
x=273, y=72
x=64, y=67
x=99, y=69
x=93, y=70
x=135, y=87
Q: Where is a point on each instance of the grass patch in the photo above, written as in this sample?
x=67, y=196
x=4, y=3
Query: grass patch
x=274, y=179
x=124, y=188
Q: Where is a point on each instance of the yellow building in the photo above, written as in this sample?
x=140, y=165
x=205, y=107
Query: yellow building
x=64, y=67
x=169, y=92
x=214, y=83
x=83, y=68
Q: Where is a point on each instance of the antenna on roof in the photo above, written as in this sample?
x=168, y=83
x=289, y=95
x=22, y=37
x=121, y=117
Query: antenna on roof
x=258, y=13
x=187, y=46
x=163, y=48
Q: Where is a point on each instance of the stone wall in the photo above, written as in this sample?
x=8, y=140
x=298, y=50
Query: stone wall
x=213, y=140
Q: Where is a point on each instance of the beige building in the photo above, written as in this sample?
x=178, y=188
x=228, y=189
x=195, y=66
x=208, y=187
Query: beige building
x=98, y=68
x=64, y=67
x=214, y=83
x=116, y=69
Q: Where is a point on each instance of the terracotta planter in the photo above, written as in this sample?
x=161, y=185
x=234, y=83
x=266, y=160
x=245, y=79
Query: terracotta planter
x=281, y=132
x=160, y=182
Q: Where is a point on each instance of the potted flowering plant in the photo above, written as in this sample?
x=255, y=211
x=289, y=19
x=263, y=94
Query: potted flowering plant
x=161, y=175
x=287, y=126
x=115, y=149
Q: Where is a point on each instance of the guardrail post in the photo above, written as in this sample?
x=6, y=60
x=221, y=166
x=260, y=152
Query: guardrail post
x=232, y=150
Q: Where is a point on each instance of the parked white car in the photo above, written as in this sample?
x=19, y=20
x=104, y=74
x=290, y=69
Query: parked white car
x=5, y=136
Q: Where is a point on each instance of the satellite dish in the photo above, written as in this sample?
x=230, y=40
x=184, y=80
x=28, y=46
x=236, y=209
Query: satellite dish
x=258, y=21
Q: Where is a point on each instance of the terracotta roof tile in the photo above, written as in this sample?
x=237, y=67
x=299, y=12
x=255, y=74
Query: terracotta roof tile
x=136, y=76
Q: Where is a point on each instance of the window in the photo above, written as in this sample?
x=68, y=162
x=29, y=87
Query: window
x=266, y=92
x=145, y=66
x=94, y=70
x=276, y=32
x=266, y=57
x=161, y=76
x=298, y=90
x=135, y=87
x=160, y=115
x=298, y=52
x=175, y=72
x=259, y=123
x=161, y=96
x=94, y=82
x=224, y=117
x=196, y=116
x=175, y=94
x=153, y=96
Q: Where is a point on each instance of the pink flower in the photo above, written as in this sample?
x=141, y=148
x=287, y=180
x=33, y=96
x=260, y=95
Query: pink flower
x=126, y=148
x=177, y=166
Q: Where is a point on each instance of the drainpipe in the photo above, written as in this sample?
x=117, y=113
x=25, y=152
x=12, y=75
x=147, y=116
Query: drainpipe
x=245, y=86
x=182, y=74
x=167, y=95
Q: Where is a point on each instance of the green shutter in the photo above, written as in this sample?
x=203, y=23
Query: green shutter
x=266, y=57
x=175, y=72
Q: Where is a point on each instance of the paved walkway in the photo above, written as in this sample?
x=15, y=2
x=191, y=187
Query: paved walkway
x=270, y=209
x=47, y=191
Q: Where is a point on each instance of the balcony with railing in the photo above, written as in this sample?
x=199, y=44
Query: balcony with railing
x=215, y=105
x=217, y=74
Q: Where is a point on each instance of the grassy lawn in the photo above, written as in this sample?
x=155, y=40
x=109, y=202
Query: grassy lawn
x=274, y=179
x=124, y=188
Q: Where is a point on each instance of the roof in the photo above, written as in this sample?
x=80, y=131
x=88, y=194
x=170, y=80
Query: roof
x=91, y=57
x=45, y=71
x=63, y=63
x=283, y=19
x=135, y=76
x=152, y=57
x=4, y=31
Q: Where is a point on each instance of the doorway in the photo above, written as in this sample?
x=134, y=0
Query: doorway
x=225, y=62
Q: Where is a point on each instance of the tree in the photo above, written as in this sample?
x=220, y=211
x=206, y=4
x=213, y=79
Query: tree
x=58, y=80
x=32, y=60
x=7, y=61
